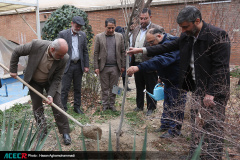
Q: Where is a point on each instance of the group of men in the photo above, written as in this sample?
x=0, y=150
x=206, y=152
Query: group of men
x=197, y=61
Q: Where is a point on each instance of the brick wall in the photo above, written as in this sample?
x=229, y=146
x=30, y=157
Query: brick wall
x=223, y=15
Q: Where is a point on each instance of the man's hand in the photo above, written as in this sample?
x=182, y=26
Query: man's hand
x=97, y=71
x=86, y=69
x=14, y=75
x=50, y=100
x=122, y=70
x=208, y=100
x=134, y=50
x=131, y=70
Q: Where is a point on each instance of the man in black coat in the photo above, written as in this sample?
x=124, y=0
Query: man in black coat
x=204, y=70
x=77, y=64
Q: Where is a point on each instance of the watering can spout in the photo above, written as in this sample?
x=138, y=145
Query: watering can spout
x=149, y=94
x=158, y=92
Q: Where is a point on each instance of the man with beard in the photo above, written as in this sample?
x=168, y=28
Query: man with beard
x=77, y=64
x=204, y=70
x=148, y=79
x=46, y=64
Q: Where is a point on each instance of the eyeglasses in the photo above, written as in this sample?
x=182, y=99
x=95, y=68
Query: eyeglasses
x=152, y=42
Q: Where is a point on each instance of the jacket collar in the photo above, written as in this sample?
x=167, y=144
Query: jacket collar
x=202, y=34
x=164, y=38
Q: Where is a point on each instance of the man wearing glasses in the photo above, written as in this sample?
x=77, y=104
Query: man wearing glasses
x=144, y=80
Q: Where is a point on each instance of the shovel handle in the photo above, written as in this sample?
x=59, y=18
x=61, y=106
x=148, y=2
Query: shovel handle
x=43, y=97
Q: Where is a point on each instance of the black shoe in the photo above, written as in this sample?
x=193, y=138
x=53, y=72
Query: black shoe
x=161, y=130
x=137, y=109
x=167, y=135
x=78, y=110
x=66, y=139
x=149, y=112
x=129, y=89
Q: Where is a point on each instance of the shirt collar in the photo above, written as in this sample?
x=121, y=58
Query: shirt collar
x=48, y=56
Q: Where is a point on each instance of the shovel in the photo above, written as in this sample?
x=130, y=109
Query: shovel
x=88, y=130
x=117, y=90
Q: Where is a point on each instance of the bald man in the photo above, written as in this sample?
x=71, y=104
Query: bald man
x=46, y=64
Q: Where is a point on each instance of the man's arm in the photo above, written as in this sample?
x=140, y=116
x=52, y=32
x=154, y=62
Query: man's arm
x=158, y=49
x=155, y=63
x=57, y=76
x=22, y=50
x=85, y=54
x=160, y=61
x=96, y=54
x=219, y=81
x=123, y=61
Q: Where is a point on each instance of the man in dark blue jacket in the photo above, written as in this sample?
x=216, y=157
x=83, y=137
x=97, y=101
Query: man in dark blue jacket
x=167, y=66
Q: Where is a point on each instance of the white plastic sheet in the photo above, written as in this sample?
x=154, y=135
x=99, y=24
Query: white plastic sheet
x=6, y=49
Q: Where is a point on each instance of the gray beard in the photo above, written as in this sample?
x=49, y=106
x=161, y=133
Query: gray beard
x=77, y=32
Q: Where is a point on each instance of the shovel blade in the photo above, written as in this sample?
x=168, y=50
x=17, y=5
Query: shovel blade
x=117, y=90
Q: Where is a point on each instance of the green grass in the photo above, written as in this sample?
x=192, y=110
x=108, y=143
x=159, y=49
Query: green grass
x=131, y=99
x=106, y=115
x=135, y=118
x=18, y=112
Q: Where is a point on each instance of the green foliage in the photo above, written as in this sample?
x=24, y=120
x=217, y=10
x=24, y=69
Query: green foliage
x=235, y=72
x=110, y=155
x=16, y=112
x=106, y=115
x=61, y=19
x=134, y=147
x=25, y=139
x=135, y=118
x=144, y=150
x=59, y=144
x=132, y=99
x=196, y=155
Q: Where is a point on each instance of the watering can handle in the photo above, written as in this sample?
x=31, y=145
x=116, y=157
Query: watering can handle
x=158, y=85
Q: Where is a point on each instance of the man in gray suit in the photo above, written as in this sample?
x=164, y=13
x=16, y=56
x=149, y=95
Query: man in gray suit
x=109, y=61
x=46, y=64
x=77, y=64
x=144, y=79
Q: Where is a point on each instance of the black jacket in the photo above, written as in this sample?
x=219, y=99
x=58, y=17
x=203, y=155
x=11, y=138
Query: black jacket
x=211, y=61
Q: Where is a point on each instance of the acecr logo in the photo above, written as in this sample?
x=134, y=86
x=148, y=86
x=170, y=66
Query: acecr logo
x=15, y=156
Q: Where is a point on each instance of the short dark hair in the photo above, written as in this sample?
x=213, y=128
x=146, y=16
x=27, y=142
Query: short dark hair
x=155, y=31
x=110, y=20
x=189, y=14
x=145, y=10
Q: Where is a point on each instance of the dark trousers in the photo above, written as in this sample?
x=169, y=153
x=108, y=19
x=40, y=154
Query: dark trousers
x=148, y=80
x=74, y=74
x=208, y=121
x=38, y=110
x=173, y=110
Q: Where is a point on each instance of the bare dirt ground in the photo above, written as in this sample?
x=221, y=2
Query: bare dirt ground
x=172, y=148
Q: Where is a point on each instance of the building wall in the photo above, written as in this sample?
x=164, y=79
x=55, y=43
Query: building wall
x=223, y=15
